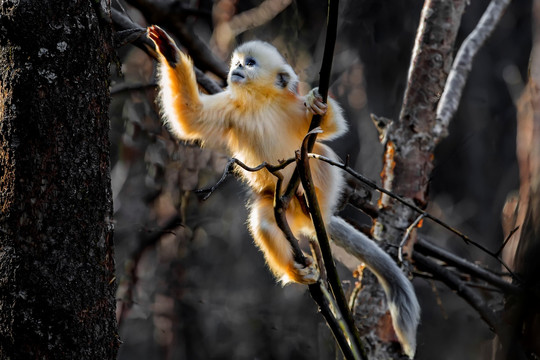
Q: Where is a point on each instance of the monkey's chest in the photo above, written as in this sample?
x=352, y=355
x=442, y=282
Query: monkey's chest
x=269, y=151
x=268, y=136
x=255, y=139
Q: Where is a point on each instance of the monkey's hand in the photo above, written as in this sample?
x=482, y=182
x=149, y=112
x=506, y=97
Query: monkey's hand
x=314, y=102
x=165, y=45
x=304, y=274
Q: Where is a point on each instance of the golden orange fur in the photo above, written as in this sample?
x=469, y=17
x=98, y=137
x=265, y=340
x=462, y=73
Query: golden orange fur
x=259, y=118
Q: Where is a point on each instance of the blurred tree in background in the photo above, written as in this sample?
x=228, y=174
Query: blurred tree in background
x=191, y=283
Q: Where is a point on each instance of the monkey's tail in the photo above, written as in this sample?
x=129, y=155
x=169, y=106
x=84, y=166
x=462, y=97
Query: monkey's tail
x=400, y=294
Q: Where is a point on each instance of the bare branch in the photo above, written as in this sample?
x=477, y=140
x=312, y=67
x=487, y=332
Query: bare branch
x=160, y=13
x=457, y=78
x=407, y=235
x=427, y=248
x=302, y=165
x=413, y=207
x=318, y=294
x=229, y=169
x=227, y=28
x=453, y=282
x=136, y=36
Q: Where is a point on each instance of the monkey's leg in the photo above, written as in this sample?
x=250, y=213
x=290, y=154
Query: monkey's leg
x=277, y=250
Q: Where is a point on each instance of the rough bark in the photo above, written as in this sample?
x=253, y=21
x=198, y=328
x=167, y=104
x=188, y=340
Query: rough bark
x=56, y=251
x=408, y=157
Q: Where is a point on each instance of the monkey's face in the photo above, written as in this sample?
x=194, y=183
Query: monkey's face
x=243, y=69
x=257, y=65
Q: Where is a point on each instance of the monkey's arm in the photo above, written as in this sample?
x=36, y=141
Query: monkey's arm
x=188, y=114
x=333, y=123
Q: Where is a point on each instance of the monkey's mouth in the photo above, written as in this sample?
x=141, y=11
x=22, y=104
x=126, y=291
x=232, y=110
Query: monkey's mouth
x=237, y=76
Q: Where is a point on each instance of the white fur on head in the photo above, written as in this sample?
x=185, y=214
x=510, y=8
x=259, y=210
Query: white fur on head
x=270, y=64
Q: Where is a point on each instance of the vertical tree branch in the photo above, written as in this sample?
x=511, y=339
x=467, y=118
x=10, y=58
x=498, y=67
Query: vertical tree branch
x=324, y=244
x=408, y=158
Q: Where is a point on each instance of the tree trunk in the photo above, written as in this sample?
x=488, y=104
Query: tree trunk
x=56, y=251
x=408, y=157
x=521, y=215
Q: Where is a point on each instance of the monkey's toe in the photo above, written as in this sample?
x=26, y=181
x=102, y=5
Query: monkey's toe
x=305, y=274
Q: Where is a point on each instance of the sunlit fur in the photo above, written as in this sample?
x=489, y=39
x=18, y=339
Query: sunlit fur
x=260, y=118
x=256, y=120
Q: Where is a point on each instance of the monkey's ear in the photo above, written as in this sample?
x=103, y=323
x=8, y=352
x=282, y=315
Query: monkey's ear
x=283, y=79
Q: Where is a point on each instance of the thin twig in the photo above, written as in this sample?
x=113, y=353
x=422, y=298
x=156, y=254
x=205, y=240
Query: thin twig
x=229, y=169
x=316, y=251
x=483, y=287
x=505, y=242
x=427, y=248
x=280, y=214
x=434, y=250
x=406, y=236
x=462, y=65
x=324, y=84
x=453, y=282
x=372, y=184
x=357, y=288
x=279, y=206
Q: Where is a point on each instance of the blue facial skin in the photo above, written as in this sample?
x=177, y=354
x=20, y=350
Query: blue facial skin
x=238, y=75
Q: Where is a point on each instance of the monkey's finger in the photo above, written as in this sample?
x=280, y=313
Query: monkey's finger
x=316, y=109
x=321, y=104
x=164, y=44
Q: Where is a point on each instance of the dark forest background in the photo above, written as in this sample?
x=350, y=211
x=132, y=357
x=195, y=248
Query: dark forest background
x=191, y=283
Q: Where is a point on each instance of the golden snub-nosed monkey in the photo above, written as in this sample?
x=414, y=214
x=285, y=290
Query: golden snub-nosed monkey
x=260, y=118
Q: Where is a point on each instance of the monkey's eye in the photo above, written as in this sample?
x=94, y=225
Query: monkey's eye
x=250, y=62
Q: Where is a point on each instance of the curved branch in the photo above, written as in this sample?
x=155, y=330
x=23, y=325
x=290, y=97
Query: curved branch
x=229, y=169
x=462, y=65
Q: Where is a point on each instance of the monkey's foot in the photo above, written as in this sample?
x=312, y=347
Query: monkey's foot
x=304, y=274
x=314, y=102
x=164, y=44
